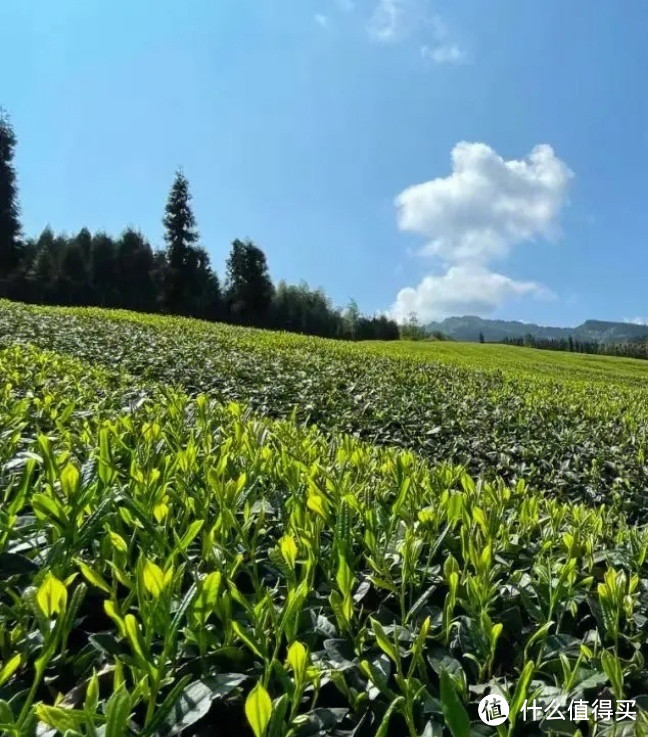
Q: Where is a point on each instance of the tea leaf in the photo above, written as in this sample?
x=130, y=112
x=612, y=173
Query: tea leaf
x=51, y=596
x=258, y=710
x=454, y=712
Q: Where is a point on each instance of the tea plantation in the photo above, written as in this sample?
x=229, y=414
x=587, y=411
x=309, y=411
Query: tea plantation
x=209, y=530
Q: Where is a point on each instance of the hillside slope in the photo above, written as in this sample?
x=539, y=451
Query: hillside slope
x=184, y=566
x=580, y=434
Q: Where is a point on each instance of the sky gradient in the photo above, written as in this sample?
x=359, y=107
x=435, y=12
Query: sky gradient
x=308, y=125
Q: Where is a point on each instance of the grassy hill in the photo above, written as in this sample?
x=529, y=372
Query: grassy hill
x=206, y=527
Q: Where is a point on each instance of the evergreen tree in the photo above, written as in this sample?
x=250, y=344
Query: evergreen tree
x=249, y=289
x=104, y=274
x=134, y=266
x=83, y=241
x=73, y=276
x=10, y=244
x=203, y=299
x=180, y=237
x=43, y=267
x=303, y=310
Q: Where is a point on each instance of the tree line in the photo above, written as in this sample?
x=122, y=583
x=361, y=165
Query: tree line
x=630, y=349
x=96, y=269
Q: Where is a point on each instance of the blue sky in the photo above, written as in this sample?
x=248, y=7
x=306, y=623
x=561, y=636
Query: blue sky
x=306, y=126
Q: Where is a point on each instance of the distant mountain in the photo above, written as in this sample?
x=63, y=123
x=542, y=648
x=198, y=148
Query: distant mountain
x=469, y=327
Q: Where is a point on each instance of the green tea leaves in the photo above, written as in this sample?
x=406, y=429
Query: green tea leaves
x=454, y=712
x=258, y=710
x=51, y=596
x=169, y=561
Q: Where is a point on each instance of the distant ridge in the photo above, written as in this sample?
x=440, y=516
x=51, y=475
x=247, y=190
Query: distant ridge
x=469, y=328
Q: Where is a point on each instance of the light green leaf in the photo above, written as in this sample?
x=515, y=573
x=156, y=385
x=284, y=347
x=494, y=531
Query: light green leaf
x=9, y=668
x=297, y=658
x=51, y=596
x=385, y=644
x=153, y=577
x=258, y=709
x=117, y=713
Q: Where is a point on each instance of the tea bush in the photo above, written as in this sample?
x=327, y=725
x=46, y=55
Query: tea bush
x=175, y=564
x=573, y=426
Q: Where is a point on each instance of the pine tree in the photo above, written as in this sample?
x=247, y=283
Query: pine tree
x=249, y=289
x=9, y=211
x=180, y=237
x=179, y=222
x=134, y=264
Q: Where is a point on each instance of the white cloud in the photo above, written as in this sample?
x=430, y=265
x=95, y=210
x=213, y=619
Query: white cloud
x=444, y=53
x=321, y=19
x=394, y=21
x=442, y=49
x=398, y=20
x=389, y=20
x=479, y=212
x=636, y=320
x=461, y=290
x=487, y=204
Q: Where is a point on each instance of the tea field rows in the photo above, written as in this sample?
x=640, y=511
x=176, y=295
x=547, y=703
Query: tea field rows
x=172, y=564
x=569, y=425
